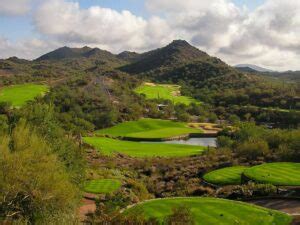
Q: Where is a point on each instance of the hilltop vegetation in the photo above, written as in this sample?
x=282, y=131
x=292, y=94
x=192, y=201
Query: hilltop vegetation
x=222, y=88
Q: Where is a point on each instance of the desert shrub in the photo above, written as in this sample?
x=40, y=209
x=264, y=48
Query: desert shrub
x=223, y=142
x=248, y=190
x=253, y=148
x=34, y=185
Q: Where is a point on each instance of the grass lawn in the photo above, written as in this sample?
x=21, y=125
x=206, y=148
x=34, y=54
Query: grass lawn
x=164, y=91
x=213, y=211
x=281, y=174
x=108, y=146
x=18, y=95
x=225, y=176
x=102, y=186
x=149, y=129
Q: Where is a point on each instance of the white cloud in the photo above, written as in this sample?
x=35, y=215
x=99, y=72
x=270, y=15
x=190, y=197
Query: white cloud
x=267, y=36
x=96, y=26
x=28, y=49
x=14, y=7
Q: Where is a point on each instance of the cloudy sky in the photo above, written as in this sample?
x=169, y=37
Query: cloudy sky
x=261, y=32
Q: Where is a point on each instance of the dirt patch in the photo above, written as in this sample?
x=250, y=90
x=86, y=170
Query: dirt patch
x=176, y=93
x=208, y=128
x=88, y=206
x=150, y=84
x=296, y=220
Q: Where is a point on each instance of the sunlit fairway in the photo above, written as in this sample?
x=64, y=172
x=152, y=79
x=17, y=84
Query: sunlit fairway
x=19, y=95
x=102, y=186
x=280, y=174
x=164, y=91
x=108, y=146
x=225, y=176
x=212, y=211
x=149, y=129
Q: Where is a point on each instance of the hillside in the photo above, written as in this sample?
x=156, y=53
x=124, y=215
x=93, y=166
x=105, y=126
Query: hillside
x=71, y=53
x=176, y=53
x=180, y=62
x=252, y=67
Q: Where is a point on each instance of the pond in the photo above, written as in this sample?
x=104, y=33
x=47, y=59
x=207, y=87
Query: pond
x=196, y=141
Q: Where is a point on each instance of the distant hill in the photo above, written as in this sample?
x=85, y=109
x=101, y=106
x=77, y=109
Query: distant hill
x=128, y=56
x=174, y=54
x=251, y=68
x=293, y=76
x=73, y=53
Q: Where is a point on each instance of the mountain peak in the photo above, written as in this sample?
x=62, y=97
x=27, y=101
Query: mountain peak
x=176, y=53
x=180, y=43
x=71, y=53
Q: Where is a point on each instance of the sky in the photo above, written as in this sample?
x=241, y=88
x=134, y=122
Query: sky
x=261, y=32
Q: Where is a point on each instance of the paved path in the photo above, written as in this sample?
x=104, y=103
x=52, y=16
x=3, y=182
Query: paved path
x=88, y=206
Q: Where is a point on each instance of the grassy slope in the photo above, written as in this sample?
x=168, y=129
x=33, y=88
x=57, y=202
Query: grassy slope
x=102, y=186
x=211, y=211
x=168, y=92
x=109, y=146
x=282, y=174
x=18, y=95
x=225, y=176
x=149, y=128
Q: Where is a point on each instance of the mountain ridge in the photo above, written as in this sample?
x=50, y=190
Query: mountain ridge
x=253, y=67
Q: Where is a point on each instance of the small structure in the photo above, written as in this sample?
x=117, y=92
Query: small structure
x=161, y=106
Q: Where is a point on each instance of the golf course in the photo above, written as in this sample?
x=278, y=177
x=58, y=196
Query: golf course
x=212, y=211
x=102, y=186
x=280, y=174
x=19, y=95
x=109, y=146
x=149, y=129
x=225, y=176
x=166, y=92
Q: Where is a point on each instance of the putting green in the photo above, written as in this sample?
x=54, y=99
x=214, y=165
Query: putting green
x=102, y=186
x=280, y=174
x=149, y=129
x=19, y=95
x=108, y=146
x=225, y=176
x=213, y=211
x=164, y=91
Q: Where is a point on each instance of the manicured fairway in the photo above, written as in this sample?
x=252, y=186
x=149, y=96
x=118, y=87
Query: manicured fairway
x=212, y=211
x=149, y=129
x=225, y=176
x=164, y=91
x=18, y=95
x=108, y=146
x=281, y=174
x=102, y=186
